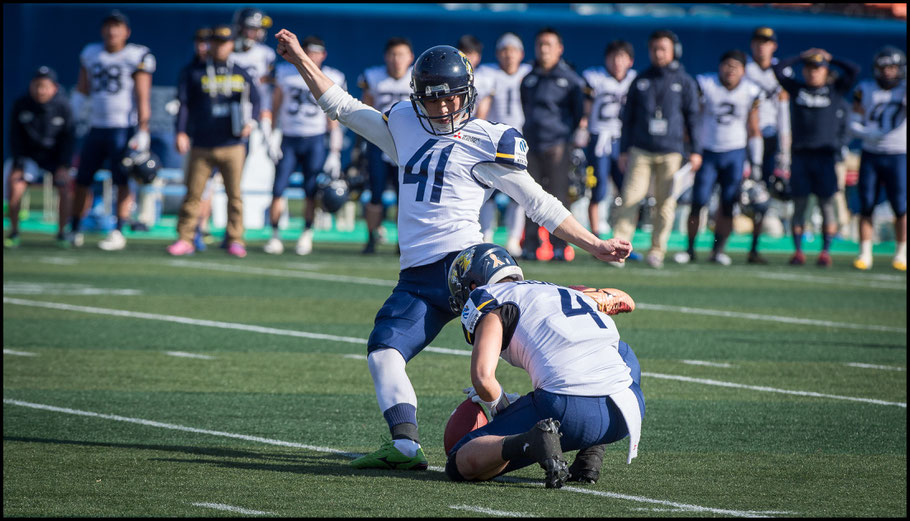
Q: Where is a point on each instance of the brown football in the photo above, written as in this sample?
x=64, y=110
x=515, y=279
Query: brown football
x=464, y=419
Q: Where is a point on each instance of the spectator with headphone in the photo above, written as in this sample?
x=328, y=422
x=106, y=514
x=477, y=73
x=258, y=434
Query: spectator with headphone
x=662, y=107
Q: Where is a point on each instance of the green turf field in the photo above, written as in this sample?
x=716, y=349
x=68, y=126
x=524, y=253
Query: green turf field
x=135, y=384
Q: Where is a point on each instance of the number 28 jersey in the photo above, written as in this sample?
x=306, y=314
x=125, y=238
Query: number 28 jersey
x=555, y=334
x=300, y=115
x=439, y=199
x=111, y=82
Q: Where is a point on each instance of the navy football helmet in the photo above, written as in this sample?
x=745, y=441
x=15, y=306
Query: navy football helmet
x=480, y=264
x=250, y=17
x=331, y=193
x=143, y=166
x=754, y=198
x=779, y=187
x=889, y=55
x=440, y=72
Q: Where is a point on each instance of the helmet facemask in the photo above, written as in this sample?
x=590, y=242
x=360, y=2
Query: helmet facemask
x=448, y=123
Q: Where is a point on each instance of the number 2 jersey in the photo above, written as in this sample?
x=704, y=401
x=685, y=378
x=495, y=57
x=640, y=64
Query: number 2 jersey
x=609, y=95
x=885, y=109
x=726, y=112
x=555, y=334
x=111, y=84
x=300, y=115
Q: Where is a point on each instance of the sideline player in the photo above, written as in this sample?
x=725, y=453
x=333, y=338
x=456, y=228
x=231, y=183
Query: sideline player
x=608, y=86
x=503, y=105
x=116, y=76
x=586, y=380
x=384, y=86
x=729, y=124
x=449, y=164
x=303, y=128
x=251, y=26
x=880, y=119
x=773, y=119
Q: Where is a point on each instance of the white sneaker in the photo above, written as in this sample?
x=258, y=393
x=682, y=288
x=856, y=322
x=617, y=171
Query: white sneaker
x=682, y=257
x=654, y=261
x=114, y=241
x=722, y=258
x=305, y=242
x=76, y=239
x=514, y=248
x=274, y=246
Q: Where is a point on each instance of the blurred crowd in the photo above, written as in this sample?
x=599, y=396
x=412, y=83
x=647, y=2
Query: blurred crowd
x=635, y=143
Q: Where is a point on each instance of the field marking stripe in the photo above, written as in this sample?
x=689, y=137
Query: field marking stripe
x=269, y=441
x=175, y=427
x=488, y=511
x=18, y=353
x=873, y=366
x=640, y=305
x=442, y=350
x=183, y=354
x=771, y=318
x=229, y=508
x=770, y=389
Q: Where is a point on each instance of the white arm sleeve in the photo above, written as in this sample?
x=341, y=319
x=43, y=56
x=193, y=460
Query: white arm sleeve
x=540, y=206
x=359, y=117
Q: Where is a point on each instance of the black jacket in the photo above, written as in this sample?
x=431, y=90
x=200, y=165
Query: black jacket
x=817, y=115
x=206, y=117
x=677, y=95
x=42, y=132
x=553, y=103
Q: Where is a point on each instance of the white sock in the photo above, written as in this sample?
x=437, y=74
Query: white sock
x=901, y=252
x=865, y=250
x=390, y=380
x=275, y=232
x=407, y=447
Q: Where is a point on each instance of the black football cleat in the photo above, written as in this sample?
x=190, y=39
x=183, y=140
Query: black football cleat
x=587, y=464
x=545, y=448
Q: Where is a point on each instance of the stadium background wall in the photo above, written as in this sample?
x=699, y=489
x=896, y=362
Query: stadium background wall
x=54, y=34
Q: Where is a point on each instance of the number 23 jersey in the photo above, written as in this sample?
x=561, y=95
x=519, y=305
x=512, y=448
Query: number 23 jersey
x=555, y=334
x=439, y=199
x=111, y=84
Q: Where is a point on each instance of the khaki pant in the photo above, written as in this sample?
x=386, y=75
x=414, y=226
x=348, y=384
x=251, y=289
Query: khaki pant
x=229, y=161
x=642, y=165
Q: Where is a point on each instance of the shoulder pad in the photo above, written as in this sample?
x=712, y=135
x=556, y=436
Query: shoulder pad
x=511, y=148
x=479, y=304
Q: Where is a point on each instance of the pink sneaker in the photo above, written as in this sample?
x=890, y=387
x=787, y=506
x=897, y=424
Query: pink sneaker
x=181, y=247
x=237, y=250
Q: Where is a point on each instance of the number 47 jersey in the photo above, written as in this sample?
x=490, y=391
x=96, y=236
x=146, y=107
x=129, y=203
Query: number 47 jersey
x=555, y=334
x=439, y=199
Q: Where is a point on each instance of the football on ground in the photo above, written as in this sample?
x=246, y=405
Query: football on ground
x=464, y=419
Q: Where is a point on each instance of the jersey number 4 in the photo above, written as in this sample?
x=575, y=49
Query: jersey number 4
x=569, y=309
x=420, y=178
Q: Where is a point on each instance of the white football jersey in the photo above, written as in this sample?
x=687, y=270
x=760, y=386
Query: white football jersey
x=439, y=199
x=258, y=61
x=770, y=107
x=887, y=111
x=505, y=89
x=385, y=89
x=609, y=97
x=726, y=112
x=111, y=85
x=300, y=115
x=558, y=337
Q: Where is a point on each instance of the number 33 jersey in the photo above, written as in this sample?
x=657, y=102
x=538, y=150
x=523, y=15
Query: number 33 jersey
x=555, y=334
x=110, y=77
x=439, y=198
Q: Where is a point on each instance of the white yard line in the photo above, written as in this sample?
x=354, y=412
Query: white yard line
x=640, y=305
x=363, y=341
x=258, y=439
x=18, y=353
x=872, y=366
x=229, y=508
x=488, y=511
x=709, y=364
x=182, y=354
x=770, y=389
x=891, y=282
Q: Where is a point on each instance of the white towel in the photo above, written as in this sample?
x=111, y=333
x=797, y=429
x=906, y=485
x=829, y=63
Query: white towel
x=604, y=145
x=627, y=403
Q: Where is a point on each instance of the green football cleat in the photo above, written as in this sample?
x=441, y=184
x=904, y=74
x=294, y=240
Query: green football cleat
x=12, y=242
x=388, y=457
